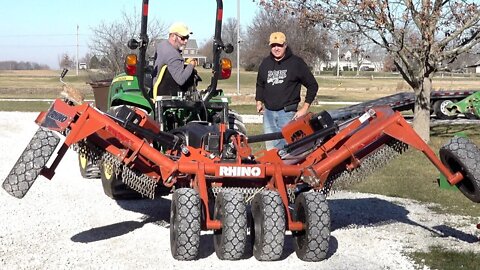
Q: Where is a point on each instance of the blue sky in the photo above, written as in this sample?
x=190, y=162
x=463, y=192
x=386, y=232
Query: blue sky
x=41, y=31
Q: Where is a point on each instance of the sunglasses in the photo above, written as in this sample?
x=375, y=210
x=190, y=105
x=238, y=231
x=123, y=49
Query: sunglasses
x=183, y=38
x=277, y=45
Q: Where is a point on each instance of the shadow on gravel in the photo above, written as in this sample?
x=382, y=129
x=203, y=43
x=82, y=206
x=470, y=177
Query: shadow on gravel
x=371, y=212
x=367, y=212
x=155, y=211
x=448, y=231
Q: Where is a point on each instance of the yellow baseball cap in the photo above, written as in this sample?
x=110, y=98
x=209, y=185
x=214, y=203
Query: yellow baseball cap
x=277, y=38
x=180, y=28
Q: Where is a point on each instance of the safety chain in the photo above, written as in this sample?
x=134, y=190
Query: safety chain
x=249, y=192
x=132, y=178
x=139, y=182
x=88, y=150
x=374, y=161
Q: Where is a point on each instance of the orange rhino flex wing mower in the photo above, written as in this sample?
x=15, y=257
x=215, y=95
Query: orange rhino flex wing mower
x=214, y=175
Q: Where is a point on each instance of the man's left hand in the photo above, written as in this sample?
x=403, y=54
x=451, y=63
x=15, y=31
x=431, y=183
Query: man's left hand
x=301, y=112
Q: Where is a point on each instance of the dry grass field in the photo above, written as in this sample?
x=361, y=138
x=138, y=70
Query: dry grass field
x=45, y=83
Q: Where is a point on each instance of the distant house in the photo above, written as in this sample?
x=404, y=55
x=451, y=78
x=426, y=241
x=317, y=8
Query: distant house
x=347, y=62
x=191, y=51
x=475, y=68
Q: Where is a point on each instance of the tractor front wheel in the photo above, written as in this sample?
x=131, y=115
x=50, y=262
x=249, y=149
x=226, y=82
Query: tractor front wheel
x=311, y=244
x=462, y=155
x=230, y=240
x=185, y=217
x=268, y=226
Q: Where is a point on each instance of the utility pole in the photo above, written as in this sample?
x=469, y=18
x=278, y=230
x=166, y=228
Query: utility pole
x=238, y=47
x=338, y=57
x=76, y=64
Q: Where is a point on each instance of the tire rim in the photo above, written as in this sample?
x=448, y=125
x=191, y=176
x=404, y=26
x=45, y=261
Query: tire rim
x=443, y=107
x=83, y=161
x=108, y=170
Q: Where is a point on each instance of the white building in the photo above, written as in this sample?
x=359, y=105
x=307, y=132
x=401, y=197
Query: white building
x=346, y=63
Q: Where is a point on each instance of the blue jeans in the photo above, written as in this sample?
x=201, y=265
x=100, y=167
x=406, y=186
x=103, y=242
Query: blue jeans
x=274, y=121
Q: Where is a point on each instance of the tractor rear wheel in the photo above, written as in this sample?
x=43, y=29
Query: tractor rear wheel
x=311, y=244
x=112, y=183
x=231, y=240
x=185, y=217
x=440, y=109
x=462, y=155
x=31, y=162
x=268, y=226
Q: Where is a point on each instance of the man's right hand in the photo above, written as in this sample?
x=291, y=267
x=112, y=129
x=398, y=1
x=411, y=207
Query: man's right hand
x=259, y=107
x=191, y=61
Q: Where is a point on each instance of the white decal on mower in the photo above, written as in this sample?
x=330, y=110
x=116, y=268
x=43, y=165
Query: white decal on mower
x=244, y=171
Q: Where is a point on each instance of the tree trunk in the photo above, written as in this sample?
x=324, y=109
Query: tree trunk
x=421, y=117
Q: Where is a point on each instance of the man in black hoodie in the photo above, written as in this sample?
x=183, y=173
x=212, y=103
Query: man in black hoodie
x=279, y=80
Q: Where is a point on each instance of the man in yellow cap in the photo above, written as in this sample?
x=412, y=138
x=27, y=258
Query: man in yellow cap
x=279, y=80
x=177, y=76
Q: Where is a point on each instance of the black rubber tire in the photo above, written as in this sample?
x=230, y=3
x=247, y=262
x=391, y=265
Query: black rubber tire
x=462, y=155
x=230, y=242
x=31, y=162
x=185, y=218
x=311, y=244
x=268, y=226
x=88, y=169
x=441, y=112
x=113, y=185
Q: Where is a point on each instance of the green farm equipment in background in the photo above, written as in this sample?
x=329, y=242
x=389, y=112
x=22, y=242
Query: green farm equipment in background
x=469, y=106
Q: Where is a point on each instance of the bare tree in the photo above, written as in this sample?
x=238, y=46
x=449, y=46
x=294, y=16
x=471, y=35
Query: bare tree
x=419, y=35
x=66, y=61
x=229, y=35
x=307, y=41
x=109, y=41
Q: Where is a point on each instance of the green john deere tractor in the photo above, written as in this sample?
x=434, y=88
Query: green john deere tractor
x=133, y=89
x=469, y=106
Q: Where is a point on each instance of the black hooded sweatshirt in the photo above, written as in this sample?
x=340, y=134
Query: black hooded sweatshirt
x=279, y=82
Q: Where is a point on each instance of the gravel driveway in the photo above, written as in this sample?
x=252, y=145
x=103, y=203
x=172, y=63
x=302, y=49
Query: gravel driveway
x=69, y=223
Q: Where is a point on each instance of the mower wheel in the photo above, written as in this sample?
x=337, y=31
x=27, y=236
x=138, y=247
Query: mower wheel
x=311, y=244
x=88, y=169
x=440, y=109
x=231, y=240
x=112, y=183
x=268, y=225
x=462, y=155
x=185, y=218
x=31, y=162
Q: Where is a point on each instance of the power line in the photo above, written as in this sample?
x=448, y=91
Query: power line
x=41, y=35
x=39, y=46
